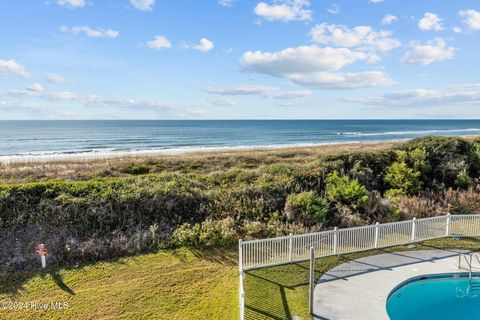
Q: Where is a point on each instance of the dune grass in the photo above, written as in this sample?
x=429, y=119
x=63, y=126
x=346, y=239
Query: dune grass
x=178, y=284
x=197, y=162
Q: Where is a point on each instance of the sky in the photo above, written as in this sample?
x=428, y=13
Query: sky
x=239, y=59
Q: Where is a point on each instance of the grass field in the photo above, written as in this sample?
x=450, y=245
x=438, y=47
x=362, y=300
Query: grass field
x=178, y=284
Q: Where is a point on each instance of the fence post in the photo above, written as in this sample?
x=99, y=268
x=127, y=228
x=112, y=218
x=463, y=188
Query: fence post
x=240, y=289
x=413, y=228
x=447, y=229
x=335, y=240
x=312, y=279
x=290, y=247
x=376, y=235
x=240, y=255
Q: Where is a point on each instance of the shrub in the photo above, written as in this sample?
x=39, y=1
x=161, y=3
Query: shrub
x=401, y=178
x=208, y=233
x=307, y=207
x=349, y=218
x=136, y=169
x=219, y=199
x=380, y=209
x=187, y=235
x=447, y=156
x=462, y=201
x=423, y=206
x=463, y=180
x=345, y=190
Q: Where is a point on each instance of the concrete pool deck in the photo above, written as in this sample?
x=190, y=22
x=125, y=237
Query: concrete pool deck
x=358, y=289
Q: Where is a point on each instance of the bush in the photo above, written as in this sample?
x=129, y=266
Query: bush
x=463, y=180
x=448, y=157
x=136, y=169
x=345, y=190
x=401, y=178
x=307, y=207
x=243, y=197
x=208, y=233
x=462, y=201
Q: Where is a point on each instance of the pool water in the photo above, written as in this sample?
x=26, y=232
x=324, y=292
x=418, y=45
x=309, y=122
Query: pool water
x=451, y=297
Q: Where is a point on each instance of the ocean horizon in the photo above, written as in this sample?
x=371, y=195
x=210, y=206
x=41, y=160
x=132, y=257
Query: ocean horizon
x=84, y=137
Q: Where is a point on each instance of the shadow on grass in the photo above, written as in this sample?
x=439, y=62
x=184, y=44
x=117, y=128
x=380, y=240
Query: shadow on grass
x=13, y=284
x=226, y=257
x=267, y=290
x=57, y=278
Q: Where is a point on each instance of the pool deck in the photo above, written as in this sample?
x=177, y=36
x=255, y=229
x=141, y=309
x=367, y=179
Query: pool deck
x=358, y=289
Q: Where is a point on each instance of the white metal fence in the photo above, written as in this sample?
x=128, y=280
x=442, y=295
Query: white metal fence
x=270, y=252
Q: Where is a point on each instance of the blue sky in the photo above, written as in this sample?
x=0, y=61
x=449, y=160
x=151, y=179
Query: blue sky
x=239, y=59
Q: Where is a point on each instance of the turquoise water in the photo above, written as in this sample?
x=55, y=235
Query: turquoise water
x=71, y=137
x=437, y=299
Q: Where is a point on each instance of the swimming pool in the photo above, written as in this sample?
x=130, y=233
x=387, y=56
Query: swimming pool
x=439, y=297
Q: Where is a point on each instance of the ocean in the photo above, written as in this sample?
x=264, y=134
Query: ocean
x=30, y=138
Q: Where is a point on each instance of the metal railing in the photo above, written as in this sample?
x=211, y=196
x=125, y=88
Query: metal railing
x=468, y=260
x=255, y=254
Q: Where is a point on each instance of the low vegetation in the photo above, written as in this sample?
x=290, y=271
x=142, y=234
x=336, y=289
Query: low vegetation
x=215, y=200
x=178, y=284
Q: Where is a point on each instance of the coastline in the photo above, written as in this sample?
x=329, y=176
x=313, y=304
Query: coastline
x=205, y=151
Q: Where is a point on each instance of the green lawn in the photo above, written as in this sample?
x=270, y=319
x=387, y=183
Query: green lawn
x=177, y=284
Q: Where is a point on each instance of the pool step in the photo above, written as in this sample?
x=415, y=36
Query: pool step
x=474, y=286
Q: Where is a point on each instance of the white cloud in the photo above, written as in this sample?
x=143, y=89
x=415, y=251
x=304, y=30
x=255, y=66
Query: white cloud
x=225, y=3
x=50, y=96
x=284, y=10
x=428, y=52
x=364, y=37
x=56, y=78
x=338, y=80
x=420, y=97
x=72, y=4
x=159, y=42
x=457, y=30
x=376, y=1
x=93, y=100
x=389, y=19
x=228, y=102
x=90, y=32
x=36, y=87
x=27, y=106
x=313, y=66
x=143, y=5
x=205, y=45
x=334, y=9
x=430, y=21
x=263, y=91
x=303, y=59
x=12, y=67
x=471, y=18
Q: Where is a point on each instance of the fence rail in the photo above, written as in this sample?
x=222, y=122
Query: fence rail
x=255, y=254
x=296, y=248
